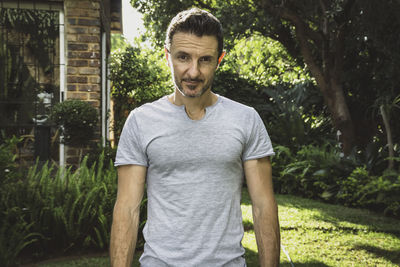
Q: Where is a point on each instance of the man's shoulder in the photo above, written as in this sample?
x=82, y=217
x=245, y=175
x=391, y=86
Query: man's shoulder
x=151, y=105
x=151, y=108
x=150, y=111
x=235, y=106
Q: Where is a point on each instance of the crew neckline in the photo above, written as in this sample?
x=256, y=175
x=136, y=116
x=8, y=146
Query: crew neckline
x=181, y=108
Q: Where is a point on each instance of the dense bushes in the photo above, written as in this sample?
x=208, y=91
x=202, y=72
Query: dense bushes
x=45, y=211
x=322, y=172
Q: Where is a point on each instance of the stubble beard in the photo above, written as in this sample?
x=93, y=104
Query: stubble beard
x=203, y=90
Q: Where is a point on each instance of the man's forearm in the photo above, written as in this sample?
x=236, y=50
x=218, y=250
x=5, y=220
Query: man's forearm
x=123, y=236
x=266, y=227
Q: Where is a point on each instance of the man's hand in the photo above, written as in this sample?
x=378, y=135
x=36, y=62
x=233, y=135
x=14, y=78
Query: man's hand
x=265, y=210
x=131, y=181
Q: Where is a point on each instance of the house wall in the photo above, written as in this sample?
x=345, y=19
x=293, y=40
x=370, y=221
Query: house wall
x=85, y=20
x=83, y=50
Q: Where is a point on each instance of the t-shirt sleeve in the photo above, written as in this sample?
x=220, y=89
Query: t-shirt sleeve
x=258, y=144
x=130, y=147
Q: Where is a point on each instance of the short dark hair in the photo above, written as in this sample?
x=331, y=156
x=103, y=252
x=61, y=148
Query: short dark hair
x=198, y=22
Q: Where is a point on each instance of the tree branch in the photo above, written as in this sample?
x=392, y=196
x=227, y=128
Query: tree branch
x=304, y=35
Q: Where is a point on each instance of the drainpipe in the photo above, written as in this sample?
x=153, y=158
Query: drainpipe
x=103, y=88
x=62, y=79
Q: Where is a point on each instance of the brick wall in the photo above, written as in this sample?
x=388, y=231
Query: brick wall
x=83, y=43
x=83, y=35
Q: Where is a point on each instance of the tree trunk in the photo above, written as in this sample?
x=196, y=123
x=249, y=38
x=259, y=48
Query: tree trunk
x=334, y=98
x=336, y=102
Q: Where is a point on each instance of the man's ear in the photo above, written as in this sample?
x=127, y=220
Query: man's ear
x=166, y=55
x=221, y=57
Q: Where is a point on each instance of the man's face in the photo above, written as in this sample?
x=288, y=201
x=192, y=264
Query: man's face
x=193, y=61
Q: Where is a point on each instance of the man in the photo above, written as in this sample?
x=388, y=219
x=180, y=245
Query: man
x=193, y=149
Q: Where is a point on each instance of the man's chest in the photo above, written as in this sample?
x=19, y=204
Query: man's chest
x=195, y=145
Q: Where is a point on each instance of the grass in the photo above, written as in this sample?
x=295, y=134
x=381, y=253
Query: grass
x=314, y=234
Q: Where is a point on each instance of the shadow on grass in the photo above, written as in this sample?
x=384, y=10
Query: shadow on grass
x=251, y=258
x=252, y=261
x=390, y=255
x=248, y=225
x=335, y=214
x=307, y=264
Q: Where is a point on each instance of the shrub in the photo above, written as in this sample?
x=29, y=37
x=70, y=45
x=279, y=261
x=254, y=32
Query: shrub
x=52, y=211
x=57, y=210
x=72, y=210
x=15, y=235
x=322, y=173
x=351, y=186
x=97, y=149
x=312, y=172
x=8, y=166
x=77, y=120
x=382, y=194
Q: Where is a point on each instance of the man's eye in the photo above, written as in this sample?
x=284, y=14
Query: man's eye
x=205, y=59
x=183, y=57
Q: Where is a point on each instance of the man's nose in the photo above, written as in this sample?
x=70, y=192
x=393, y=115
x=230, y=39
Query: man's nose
x=194, y=69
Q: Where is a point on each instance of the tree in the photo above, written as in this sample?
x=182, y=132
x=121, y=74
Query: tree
x=137, y=77
x=315, y=32
x=264, y=61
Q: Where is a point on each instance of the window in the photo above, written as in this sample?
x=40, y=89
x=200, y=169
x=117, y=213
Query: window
x=29, y=76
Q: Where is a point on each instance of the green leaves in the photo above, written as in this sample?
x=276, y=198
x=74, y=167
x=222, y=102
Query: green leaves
x=320, y=172
x=77, y=120
x=55, y=210
x=138, y=76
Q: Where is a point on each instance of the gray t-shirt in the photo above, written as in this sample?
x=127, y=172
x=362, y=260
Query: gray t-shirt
x=194, y=179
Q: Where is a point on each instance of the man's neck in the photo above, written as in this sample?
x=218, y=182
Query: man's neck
x=195, y=107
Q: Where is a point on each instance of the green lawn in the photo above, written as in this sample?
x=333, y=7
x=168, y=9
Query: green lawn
x=314, y=234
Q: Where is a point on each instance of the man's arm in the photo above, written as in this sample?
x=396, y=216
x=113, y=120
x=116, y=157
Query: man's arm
x=265, y=210
x=124, y=230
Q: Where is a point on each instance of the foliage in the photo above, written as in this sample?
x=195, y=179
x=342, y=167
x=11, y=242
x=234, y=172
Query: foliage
x=77, y=120
x=8, y=166
x=382, y=193
x=310, y=172
x=70, y=210
x=55, y=211
x=97, y=149
x=118, y=42
x=324, y=173
x=138, y=77
x=264, y=61
x=297, y=116
x=15, y=235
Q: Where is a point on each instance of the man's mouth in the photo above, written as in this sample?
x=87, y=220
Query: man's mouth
x=192, y=81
